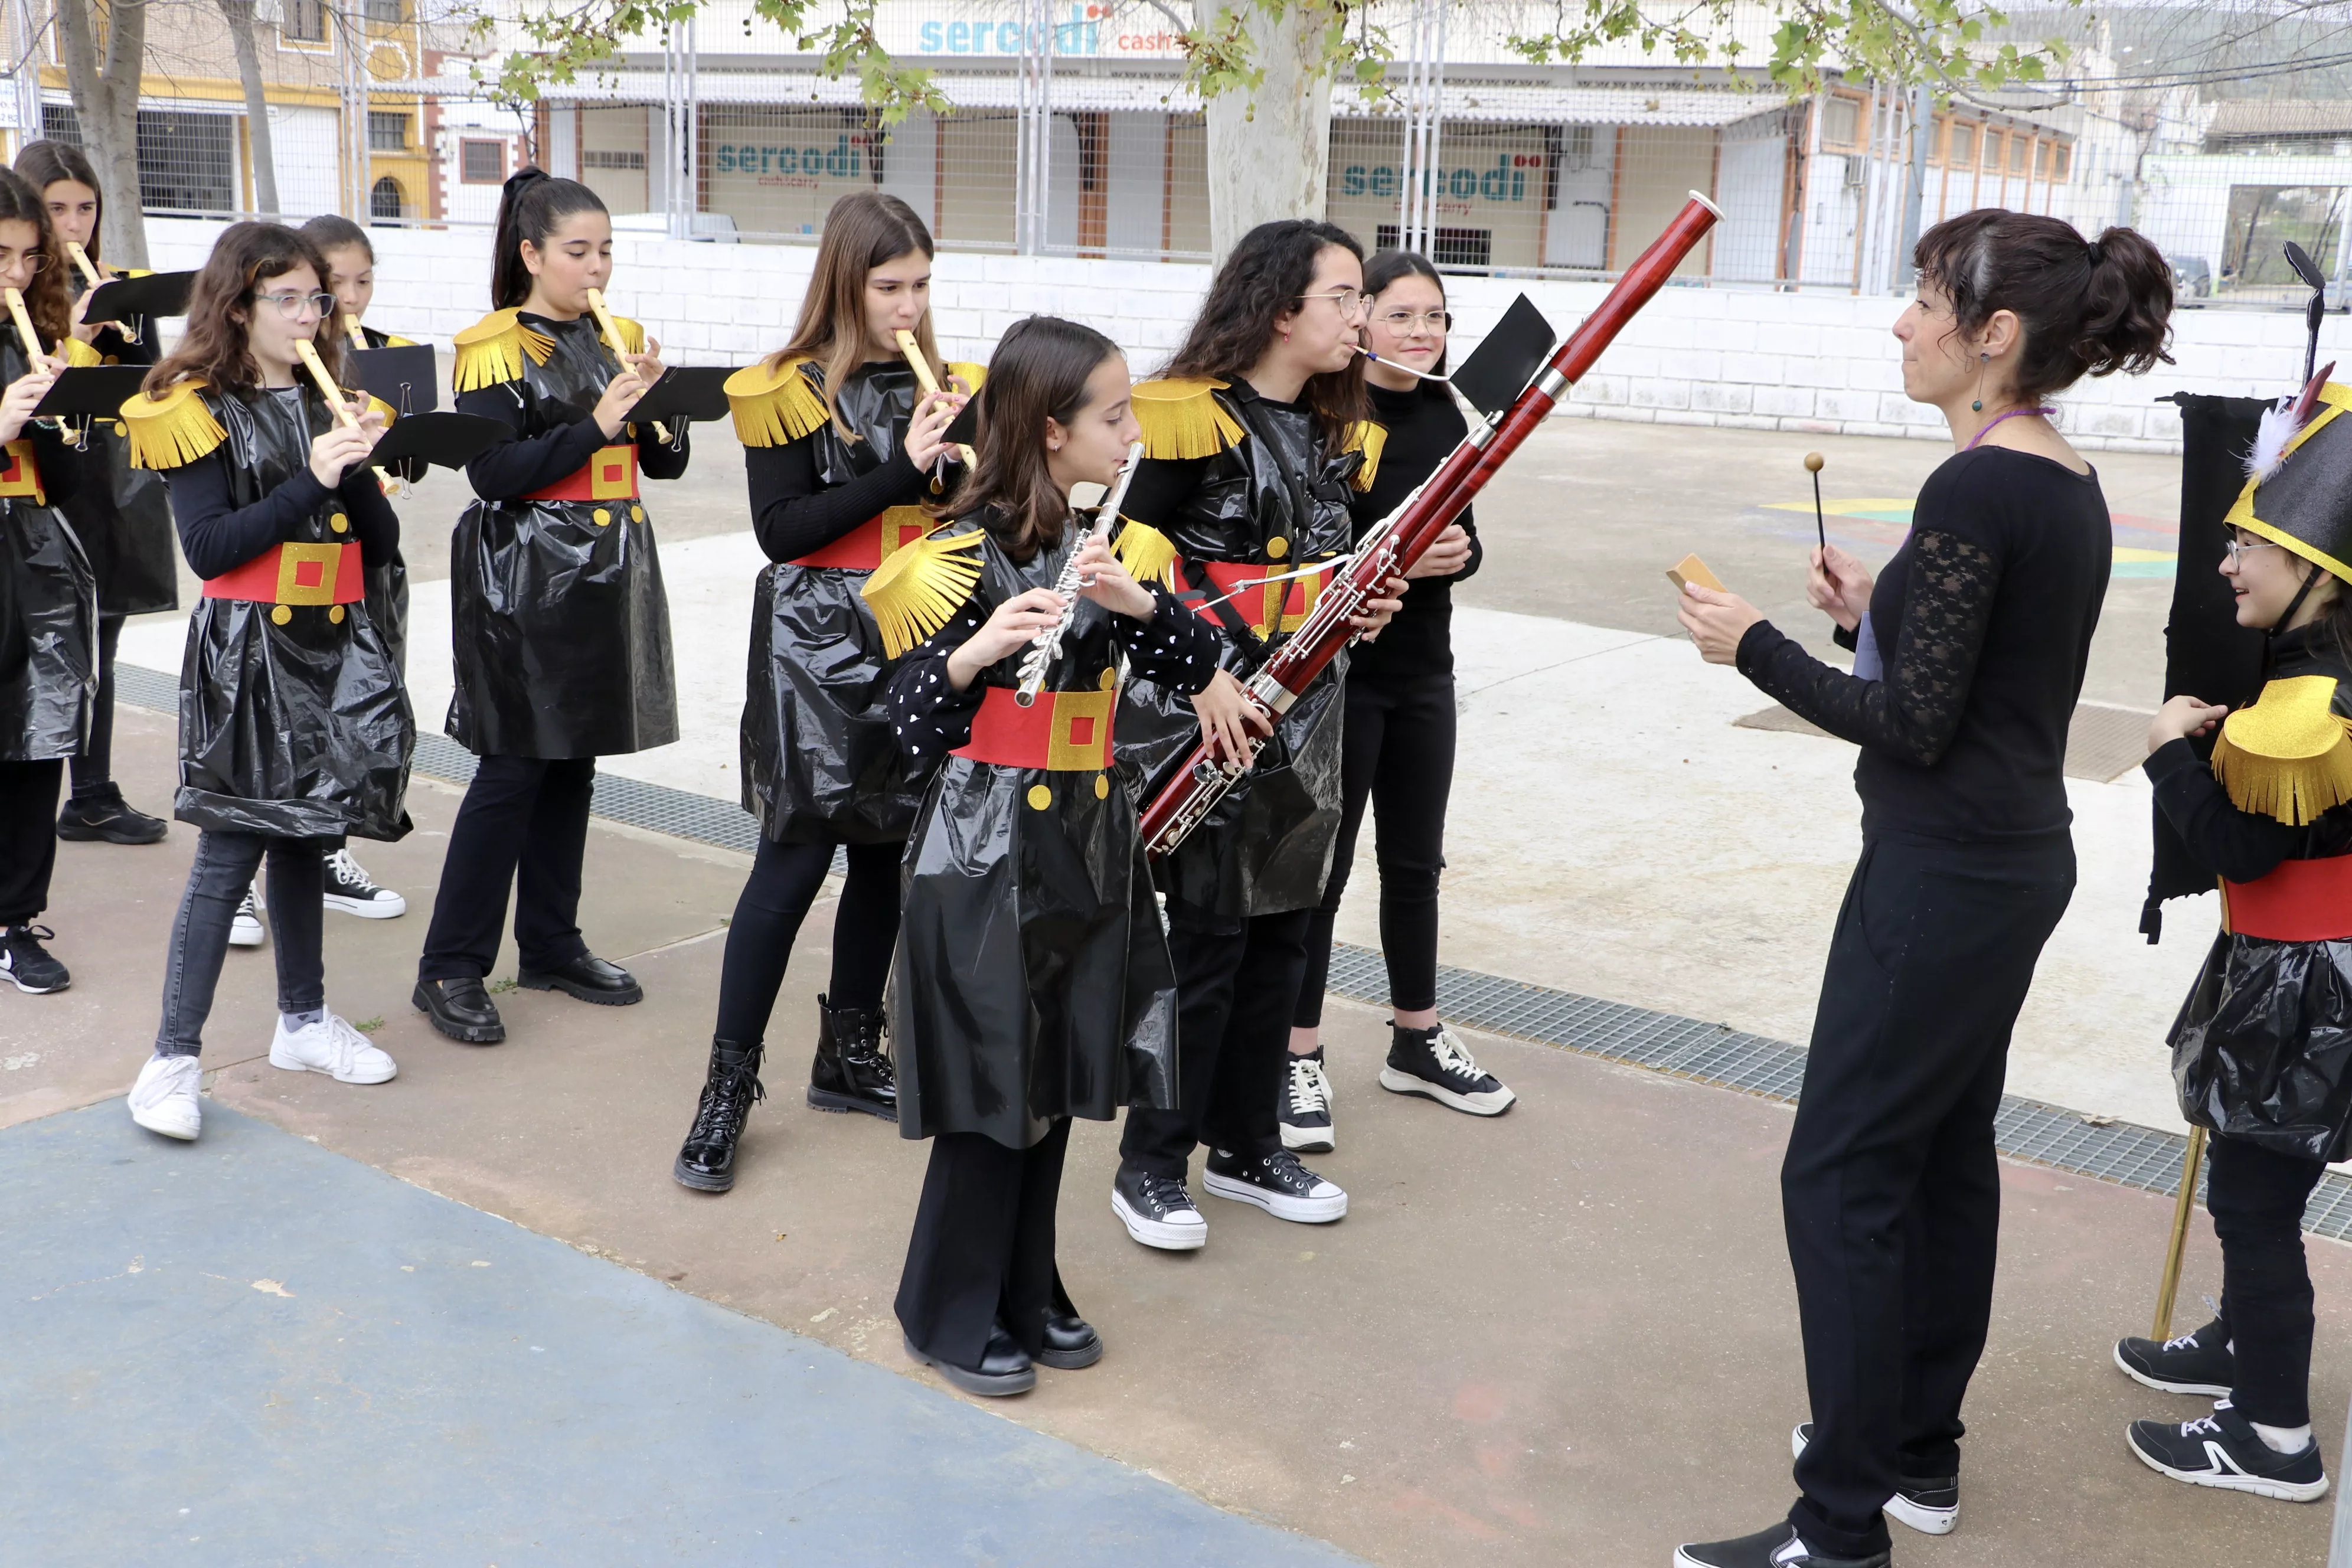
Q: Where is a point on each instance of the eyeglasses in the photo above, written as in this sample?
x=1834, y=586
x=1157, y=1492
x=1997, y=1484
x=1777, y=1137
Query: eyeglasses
x=293, y=304
x=32, y=261
x=1403, y=321
x=1350, y=300
x=2238, y=550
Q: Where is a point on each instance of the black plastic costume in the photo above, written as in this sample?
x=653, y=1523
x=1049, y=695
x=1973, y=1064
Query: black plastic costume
x=1232, y=480
x=121, y=512
x=48, y=610
x=387, y=586
x=294, y=722
x=1033, y=980
x=819, y=765
x=560, y=623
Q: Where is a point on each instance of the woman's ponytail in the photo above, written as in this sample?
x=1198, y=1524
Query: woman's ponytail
x=2128, y=305
x=2087, y=307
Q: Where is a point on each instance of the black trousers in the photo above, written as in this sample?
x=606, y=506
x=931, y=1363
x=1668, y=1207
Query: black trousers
x=1234, y=995
x=1397, y=753
x=93, y=770
x=524, y=821
x=1891, y=1188
x=2257, y=1197
x=982, y=1248
x=776, y=899
x=29, y=836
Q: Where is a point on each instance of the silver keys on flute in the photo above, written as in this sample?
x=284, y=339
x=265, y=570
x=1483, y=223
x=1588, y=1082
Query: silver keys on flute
x=1046, y=646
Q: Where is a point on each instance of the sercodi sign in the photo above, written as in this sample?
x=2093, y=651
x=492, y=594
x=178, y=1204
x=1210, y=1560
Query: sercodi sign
x=1506, y=180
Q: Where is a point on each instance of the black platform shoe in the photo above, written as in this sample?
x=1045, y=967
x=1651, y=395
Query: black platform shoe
x=1071, y=1342
x=852, y=1072
x=1004, y=1367
x=460, y=1009
x=707, y=1162
x=107, y=817
x=586, y=978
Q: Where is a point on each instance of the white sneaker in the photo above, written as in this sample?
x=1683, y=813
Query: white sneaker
x=164, y=1098
x=245, y=928
x=351, y=890
x=331, y=1047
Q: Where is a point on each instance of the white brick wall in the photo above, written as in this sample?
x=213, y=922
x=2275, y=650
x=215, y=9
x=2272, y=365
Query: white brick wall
x=1817, y=362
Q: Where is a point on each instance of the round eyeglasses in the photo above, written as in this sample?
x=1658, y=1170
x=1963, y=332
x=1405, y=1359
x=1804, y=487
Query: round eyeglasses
x=291, y=304
x=1350, y=300
x=1403, y=321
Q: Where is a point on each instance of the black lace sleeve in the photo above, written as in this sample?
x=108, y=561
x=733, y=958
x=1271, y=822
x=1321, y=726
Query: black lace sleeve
x=1914, y=712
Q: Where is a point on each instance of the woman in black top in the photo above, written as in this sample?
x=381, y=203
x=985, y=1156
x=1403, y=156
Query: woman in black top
x=1971, y=648
x=1397, y=742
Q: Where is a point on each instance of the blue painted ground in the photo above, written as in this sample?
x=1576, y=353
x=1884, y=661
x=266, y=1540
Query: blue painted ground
x=251, y=1351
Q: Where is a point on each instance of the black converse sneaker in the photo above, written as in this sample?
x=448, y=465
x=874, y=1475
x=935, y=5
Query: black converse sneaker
x=1157, y=1210
x=351, y=890
x=2201, y=1362
x=1928, y=1504
x=245, y=927
x=1275, y=1183
x=29, y=965
x=1779, y=1547
x=1305, y=1110
x=1434, y=1063
x=2224, y=1450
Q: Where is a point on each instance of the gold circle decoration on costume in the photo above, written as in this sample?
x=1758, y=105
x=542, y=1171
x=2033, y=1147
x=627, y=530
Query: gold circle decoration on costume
x=281, y=614
x=1102, y=787
x=1040, y=797
x=1277, y=548
x=601, y=516
x=335, y=614
x=340, y=523
x=1109, y=680
x=637, y=512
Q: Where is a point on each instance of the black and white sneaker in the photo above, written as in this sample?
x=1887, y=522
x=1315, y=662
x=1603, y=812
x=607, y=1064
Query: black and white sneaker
x=2224, y=1450
x=351, y=890
x=1431, y=1062
x=2202, y=1363
x=1305, y=1110
x=27, y=964
x=245, y=927
x=1928, y=1504
x=1779, y=1547
x=1157, y=1211
x=1275, y=1183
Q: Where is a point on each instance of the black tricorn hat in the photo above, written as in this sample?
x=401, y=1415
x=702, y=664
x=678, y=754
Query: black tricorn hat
x=2300, y=492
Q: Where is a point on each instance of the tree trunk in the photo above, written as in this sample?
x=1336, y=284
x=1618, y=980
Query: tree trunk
x=256, y=105
x=105, y=88
x=1270, y=148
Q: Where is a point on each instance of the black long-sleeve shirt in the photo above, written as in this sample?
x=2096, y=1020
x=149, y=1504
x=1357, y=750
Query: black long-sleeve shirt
x=218, y=536
x=1423, y=427
x=793, y=514
x=2238, y=845
x=528, y=464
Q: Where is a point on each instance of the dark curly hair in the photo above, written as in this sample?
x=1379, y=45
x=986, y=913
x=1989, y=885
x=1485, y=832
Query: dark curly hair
x=220, y=305
x=1038, y=372
x=45, y=296
x=2088, y=306
x=1259, y=284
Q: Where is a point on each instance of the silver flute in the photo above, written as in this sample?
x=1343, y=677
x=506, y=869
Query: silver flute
x=1046, y=646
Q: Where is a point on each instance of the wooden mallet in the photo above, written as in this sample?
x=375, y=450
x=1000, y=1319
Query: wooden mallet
x=1814, y=463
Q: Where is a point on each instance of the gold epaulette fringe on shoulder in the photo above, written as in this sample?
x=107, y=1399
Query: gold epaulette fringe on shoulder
x=2289, y=756
x=493, y=350
x=772, y=407
x=80, y=354
x=633, y=334
x=1369, y=437
x=170, y=431
x=974, y=375
x=378, y=405
x=1148, y=554
x=394, y=341
x=920, y=585
x=1180, y=419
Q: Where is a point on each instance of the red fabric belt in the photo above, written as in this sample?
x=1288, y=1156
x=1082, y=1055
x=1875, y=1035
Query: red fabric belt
x=863, y=548
x=1274, y=609
x=295, y=575
x=1066, y=731
x=611, y=474
x=19, y=474
x=2302, y=900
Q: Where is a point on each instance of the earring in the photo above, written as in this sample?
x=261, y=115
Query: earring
x=1978, y=406
x=1286, y=334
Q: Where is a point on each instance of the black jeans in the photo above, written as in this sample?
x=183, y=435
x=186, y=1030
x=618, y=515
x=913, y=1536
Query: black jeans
x=1397, y=751
x=2257, y=1197
x=29, y=836
x=982, y=1248
x=1891, y=1188
x=223, y=869
x=776, y=897
x=93, y=771
x=1234, y=995
x=524, y=821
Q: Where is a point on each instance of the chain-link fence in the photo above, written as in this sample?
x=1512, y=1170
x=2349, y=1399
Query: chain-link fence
x=2220, y=131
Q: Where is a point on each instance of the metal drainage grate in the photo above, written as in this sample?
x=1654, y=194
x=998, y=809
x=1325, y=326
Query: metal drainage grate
x=1715, y=1054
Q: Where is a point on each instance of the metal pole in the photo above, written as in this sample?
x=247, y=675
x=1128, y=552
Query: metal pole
x=1914, y=190
x=2168, y=1287
x=1436, y=135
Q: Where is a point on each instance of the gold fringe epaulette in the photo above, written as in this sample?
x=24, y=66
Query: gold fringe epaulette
x=974, y=375
x=1180, y=419
x=170, y=431
x=79, y=354
x=772, y=407
x=633, y=334
x=1148, y=554
x=1368, y=437
x=493, y=350
x=394, y=341
x=378, y=405
x=2289, y=756
x=920, y=585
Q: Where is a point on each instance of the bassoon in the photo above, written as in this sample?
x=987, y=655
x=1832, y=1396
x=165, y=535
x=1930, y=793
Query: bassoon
x=1186, y=795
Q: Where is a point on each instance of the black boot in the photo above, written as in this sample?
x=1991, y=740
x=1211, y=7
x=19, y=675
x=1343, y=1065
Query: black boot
x=851, y=1071
x=707, y=1162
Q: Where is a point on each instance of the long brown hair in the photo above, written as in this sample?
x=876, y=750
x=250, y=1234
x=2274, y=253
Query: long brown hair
x=1038, y=372
x=865, y=229
x=44, y=164
x=1264, y=276
x=45, y=297
x=215, y=346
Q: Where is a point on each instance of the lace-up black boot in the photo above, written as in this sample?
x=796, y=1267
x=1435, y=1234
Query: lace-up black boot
x=851, y=1072
x=707, y=1162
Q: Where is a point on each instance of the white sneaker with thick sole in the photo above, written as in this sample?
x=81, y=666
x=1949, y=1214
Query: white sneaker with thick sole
x=245, y=927
x=331, y=1047
x=166, y=1100
x=353, y=890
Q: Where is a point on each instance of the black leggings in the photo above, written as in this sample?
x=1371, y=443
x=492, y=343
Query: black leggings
x=2257, y=1197
x=93, y=770
x=1397, y=753
x=784, y=883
